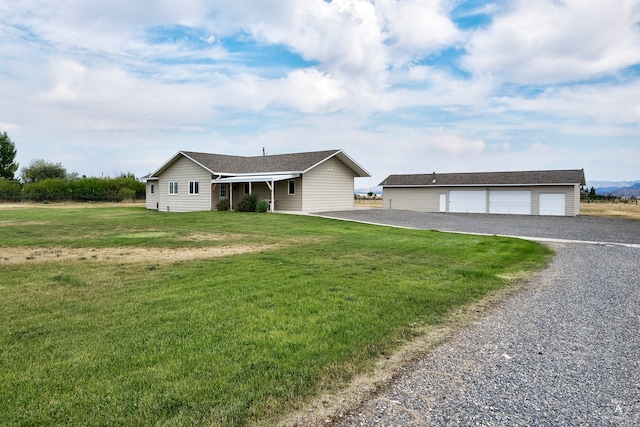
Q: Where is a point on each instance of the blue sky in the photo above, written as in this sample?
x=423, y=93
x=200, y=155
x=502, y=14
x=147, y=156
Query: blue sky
x=408, y=86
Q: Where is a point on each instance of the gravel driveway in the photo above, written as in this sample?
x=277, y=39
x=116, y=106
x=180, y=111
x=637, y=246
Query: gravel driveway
x=564, y=350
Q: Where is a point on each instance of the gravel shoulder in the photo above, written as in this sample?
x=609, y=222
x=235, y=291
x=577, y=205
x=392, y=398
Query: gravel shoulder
x=563, y=350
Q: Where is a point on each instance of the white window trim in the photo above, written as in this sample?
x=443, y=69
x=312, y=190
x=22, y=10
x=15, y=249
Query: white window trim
x=152, y=188
x=226, y=187
x=173, y=188
x=291, y=181
x=194, y=185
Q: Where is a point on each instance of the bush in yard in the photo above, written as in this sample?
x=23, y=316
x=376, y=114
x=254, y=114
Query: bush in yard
x=50, y=189
x=262, y=206
x=126, y=194
x=89, y=189
x=223, y=204
x=248, y=203
x=10, y=190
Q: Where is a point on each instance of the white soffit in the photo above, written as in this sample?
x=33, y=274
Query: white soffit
x=254, y=178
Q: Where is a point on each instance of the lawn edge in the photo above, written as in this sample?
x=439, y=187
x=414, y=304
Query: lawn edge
x=332, y=405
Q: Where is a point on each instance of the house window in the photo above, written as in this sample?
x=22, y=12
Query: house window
x=152, y=188
x=247, y=188
x=173, y=187
x=292, y=187
x=194, y=187
x=224, y=191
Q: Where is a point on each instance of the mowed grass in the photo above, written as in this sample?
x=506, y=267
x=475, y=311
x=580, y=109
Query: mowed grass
x=228, y=340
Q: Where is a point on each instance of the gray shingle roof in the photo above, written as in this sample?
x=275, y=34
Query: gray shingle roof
x=222, y=164
x=569, y=176
x=296, y=162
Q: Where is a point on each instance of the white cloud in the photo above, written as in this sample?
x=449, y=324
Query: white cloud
x=549, y=41
x=416, y=27
x=130, y=83
x=343, y=35
x=456, y=145
x=604, y=103
x=310, y=91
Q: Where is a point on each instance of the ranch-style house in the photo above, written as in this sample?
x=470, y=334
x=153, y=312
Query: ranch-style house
x=306, y=182
x=550, y=192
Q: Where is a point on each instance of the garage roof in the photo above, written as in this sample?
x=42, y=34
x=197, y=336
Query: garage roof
x=548, y=177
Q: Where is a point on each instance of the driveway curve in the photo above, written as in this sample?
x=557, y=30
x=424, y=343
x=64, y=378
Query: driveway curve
x=580, y=228
x=563, y=350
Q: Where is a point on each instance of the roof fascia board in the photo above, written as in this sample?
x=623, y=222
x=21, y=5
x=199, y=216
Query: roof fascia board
x=350, y=163
x=172, y=160
x=165, y=165
x=554, y=184
x=320, y=162
x=197, y=163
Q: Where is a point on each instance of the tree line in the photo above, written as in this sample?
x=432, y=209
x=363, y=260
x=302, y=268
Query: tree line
x=45, y=181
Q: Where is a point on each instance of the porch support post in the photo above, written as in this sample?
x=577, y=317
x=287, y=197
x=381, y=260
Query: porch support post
x=271, y=186
x=213, y=194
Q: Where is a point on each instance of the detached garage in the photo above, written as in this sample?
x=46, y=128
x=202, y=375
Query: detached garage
x=553, y=192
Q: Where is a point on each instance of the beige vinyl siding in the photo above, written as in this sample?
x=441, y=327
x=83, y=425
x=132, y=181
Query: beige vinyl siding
x=260, y=189
x=286, y=201
x=182, y=171
x=152, y=199
x=328, y=186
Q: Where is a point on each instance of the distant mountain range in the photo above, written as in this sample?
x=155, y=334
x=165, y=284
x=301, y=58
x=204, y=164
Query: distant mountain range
x=375, y=190
x=619, y=189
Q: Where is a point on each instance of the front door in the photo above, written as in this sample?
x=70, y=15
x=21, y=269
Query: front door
x=443, y=202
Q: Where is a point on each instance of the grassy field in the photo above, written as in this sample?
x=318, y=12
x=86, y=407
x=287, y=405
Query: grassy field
x=611, y=210
x=123, y=316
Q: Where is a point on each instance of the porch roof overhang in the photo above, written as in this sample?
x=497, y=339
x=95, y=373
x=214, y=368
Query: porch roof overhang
x=254, y=178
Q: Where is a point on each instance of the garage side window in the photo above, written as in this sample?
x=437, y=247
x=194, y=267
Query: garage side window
x=194, y=187
x=292, y=187
x=173, y=187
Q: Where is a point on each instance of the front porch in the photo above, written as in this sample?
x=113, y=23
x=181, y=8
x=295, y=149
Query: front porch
x=279, y=190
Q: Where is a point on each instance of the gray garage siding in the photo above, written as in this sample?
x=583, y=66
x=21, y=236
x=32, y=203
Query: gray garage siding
x=427, y=199
x=413, y=199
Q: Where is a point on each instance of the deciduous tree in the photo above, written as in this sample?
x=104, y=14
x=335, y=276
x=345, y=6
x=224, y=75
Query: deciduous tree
x=8, y=165
x=39, y=170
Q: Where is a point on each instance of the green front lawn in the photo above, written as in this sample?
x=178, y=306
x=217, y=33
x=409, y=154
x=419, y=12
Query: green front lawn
x=107, y=340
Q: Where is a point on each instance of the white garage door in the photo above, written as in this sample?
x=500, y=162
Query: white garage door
x=552, y=204
x=468, y=201
x=510, y=202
